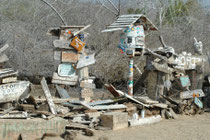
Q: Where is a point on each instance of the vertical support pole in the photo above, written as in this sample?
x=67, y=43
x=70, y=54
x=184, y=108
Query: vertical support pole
x=130, y=76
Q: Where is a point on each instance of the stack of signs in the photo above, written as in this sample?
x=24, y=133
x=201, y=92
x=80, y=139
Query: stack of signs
x=68, y=50
x=10, y=88
x=7, y=75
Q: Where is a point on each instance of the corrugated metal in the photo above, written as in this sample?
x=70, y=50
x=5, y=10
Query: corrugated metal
x=127, y=21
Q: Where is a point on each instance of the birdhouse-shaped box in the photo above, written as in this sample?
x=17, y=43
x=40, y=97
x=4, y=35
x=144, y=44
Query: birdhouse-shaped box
x=132, y=37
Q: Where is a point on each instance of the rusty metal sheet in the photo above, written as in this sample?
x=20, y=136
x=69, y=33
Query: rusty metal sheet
x=69, y=57
x=14, y=91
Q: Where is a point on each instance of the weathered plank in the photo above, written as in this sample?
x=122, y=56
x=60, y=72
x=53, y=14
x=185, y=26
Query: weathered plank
x=85, y=61
x=9, y=80
x=62, y=44
x=62, y=92
x=69, y=57
x=192, y=94
x=48, y=96
x=140, y=81
x=6, y=46
x=64, y=80
x=133, y=99
x=146, y=100
x=112, y=90
x=3, y=58
x=76, y=33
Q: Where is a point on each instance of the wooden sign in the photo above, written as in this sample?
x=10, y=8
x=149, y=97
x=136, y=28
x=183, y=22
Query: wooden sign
x=66, y=69
x=185, y=81
x=70, y=57
x=192, y=94
x=77, y=44
x=14, y=91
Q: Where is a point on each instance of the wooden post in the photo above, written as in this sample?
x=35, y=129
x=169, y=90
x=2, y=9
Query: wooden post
x=130, y=81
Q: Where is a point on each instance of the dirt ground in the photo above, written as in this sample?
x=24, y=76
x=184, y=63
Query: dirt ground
x=184, y=128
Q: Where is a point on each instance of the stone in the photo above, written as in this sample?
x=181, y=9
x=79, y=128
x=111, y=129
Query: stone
x=114, y=120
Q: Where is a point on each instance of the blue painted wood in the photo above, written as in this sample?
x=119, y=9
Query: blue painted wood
x=198, y=102
x=185, y=81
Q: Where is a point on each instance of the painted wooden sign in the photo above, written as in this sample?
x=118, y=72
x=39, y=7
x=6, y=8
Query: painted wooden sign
x=185, y=81
x=69, y=57
x=77, y=44
x=14, y=91
x=66, y=69
x=192, y=94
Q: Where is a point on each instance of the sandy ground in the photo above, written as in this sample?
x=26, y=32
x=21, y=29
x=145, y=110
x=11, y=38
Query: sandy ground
x=184, y=128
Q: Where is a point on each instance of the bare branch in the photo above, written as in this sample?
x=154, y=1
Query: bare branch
x=55, y=11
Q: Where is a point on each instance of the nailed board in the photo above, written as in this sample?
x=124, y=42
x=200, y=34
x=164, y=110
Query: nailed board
x=69, y=57
x=48, y=96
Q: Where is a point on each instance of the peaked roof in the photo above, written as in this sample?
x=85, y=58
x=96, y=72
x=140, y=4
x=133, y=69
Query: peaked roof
x=127, y=21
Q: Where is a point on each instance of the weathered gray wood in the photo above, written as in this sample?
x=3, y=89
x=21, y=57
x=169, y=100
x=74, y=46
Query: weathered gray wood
x=76, y=33
x=63, y=94
x=132, y=99
x=14, y=91
x=108, y=101
x=62, y=44
x=173, y=113
x=3, y=58
x=109, y=107
x=146, y=100
x=160, y=105
x=162, y=67
x=6, y=46
x=48, y=96
x=64, y=80
x=192, y=94
x=140, y=81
